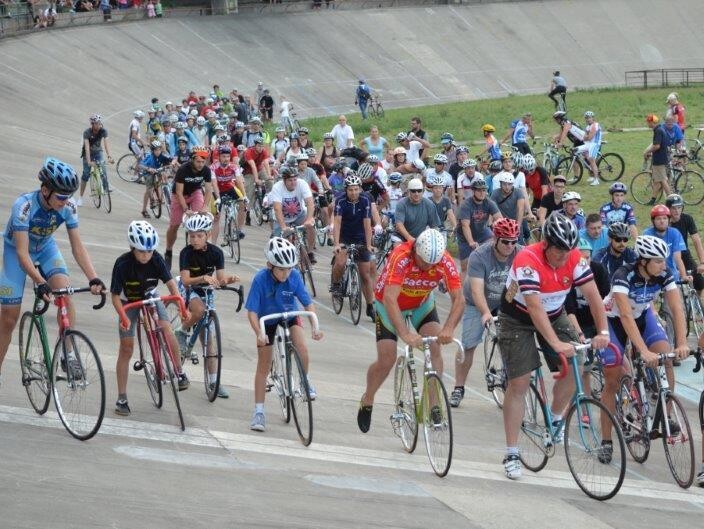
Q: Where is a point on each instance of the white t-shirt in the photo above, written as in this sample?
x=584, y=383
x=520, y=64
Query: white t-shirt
x=201, y=134
x=382, y=175
x=342, y=136
x=413, y=151
x=520, y=180
x=285, y=107
x=292, y=202
x=463, y=182
x=135, y=125
x=395, y=194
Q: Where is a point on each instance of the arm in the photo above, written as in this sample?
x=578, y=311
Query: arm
x=208, y=197
x=542, y=212
x=508, y=136
x=697, y=240
x=253, y=318
x=86, y=150
x=596, y=307
x=310, y=210
x=336, y=231
x=188, y=281
x=401, y=229
x=520, y=211
x=630, y=326
x=453, y=220
x=317, y=335
x=674, y=302
x=107, y=149
x=456, y=312
x=223, y=278
x=677, y=256
x=476, y=285
x=279, y=214
x=467, y=232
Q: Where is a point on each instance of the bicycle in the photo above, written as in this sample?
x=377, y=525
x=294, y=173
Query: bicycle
x=230, y=230
x=692, y=306
x=431, y=409
x=384, y=245
x=610, y=166
x=127, y=168
x=207, y=329
x=159, y=366
x=494, y=370
x=157, y=181
x=548, y=158
x=375, y=108
x=351, y=286
x=287, y=376
x=321, y=231
x=292, y=124
x=647, y=410
x=699, y=359
x=297, y=235
x=694, y=152
x=73, y=375
x=261, y=214
x=685, y=182
x=99, y=187
x=582, y=436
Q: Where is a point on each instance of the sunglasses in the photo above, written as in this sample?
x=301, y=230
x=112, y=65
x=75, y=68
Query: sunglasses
x=415, y=190
x=620, y=239
x=509, y=242
x=62, y=198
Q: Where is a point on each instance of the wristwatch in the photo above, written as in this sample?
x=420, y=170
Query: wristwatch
x=604, y=333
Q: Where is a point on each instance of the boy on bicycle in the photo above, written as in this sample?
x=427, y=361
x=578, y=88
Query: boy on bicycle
x=135, y=276
x=200, y=263
x=230, y=186
x=277, y=288
x=150, y=164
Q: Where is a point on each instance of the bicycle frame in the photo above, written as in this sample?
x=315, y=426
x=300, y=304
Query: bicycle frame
x=204, y=323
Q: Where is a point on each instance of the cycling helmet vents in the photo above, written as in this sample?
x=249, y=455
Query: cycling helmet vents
x=96, y=118
x=58, y=176
x=328, y=136
x=505, y=177
x=478, y=182
x=224, y=149
x=352, y=180
x=281, y=253
x=401, y=136
x=365, y=171
x=462, y=148
x=418, y=164
x=436, y=180
x=446, y=138
x=529, y=163
x=395, y=178
x=617, y=187
x=199, y=222
x=142, y=236
x=372, y=159
x=469, y=162
x=430, y=246
x=517, y=159
x=659, y=211
x=302, y=157
x=399, y=150
x=505, y=228
x=589, y=114
x=200, y=120
x=571, y=195
x=155, y=144
x=311, y=152
x=488, y=127
x=674, y=200
x=559, y=231
x=619, y=230
x=440, y=158
x=181, y=126
x=649, y=247
x=495, y=166
x=182, y=139
x=138, y=114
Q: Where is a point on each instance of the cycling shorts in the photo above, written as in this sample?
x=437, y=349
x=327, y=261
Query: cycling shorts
x=194, y=201
x=591, y=149
x=270, y=329
x=422, y=314
x=13, y=277
x=298, y=221
x=648, y=325
x=322, y=201
x=133, y=317
x=135, y=149
x=231, y=194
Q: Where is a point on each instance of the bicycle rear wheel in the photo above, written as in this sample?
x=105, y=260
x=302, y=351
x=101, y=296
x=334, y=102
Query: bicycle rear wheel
x=170, y=374
x=611, y=167
x=166, y=194
x=279, y=377
x=95, y=188
x=534, y=440
x=642, y=188
x=690, y=184
x=155, y=202
x=306, y=269
x=679, y=445
x=212, y=356
x=35, y=374
x=571, y=168
x=78, y=385
x=494, y=371
x=301, y=404
x=598, y=473
x=321, y=233
x=150, y=368
x=355, y=294
x=631, y=415
x=125, y=168
x=437, y=424
x=404, y=420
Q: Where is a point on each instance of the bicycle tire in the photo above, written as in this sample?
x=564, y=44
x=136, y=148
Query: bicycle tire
x=107, y=201
x=405, y=406
x=95, y=189
x=35, y=373
x=151, y=370
x=701, y=410
x=166, y=195
x=597, y=381
x=233, y=239
x=305, y=268
x=438, y=435
x=684, y=473
x=257, y=209
x=695, y=153
x=295, y=126
x=696, y=314
x=611, y=167
x=321, y=234
x=494, y=371
x=690, y=185
x=599, y=479
x=355, y=294
x=631, y=416
x=125, y=169
x=338, y=301
x=379, y=111
x=571, y=168
x=534, y=433
x=279, y=378
x=170, y=375
x=155, y=202
x=301, y=404
x=642, y=188
x=81, y=413
x=213, y=357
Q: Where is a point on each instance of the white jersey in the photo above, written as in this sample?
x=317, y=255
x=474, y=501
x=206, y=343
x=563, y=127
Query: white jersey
x=596, y=129
x=413, y=151
x=201, y=134
x=395, y=194
x=135, y=126
x=519, y=180
x=285, y=109
x=463, y=182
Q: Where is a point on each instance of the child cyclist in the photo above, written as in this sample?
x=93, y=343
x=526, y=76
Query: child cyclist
x=277, y=288
x=201, y=263
x=134, y=275
x=230, y=184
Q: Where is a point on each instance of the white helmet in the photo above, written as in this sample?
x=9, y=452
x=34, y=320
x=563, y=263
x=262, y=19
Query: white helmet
x=435, y=180
x=418, y=164
x=200, y=120
x=352, y=180
x=142, y=236
x=517, y=159
x=138, y=114
x=529, y=162
x=469, y=162
x=571, y=195
x=505, y=177
x=180, y=125
x=430, y=246
x=372, y=159
x=281, y=253
x=440, y=158
x=193, y=113
x=199, y=222
x=649, y=247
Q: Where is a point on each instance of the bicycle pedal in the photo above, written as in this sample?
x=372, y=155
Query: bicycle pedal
x=26, y=380
x=137, y=366
x=195, y=360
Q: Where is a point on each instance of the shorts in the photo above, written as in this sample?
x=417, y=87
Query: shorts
x=659, y=173
x=13, y=277
x=94, y=157
x=194, y=201
x=591, y=149
x=270, y=330
x=648, y=325
x=472, y=328
x=424, y=313
x=322, y=201
x=690, y=264
x=134, y=147
x=519, y=350
x=188, y=294
x=522, y=147
x=133, y=316
x=463, y=246
x=231, y=194
x=298, y=221
x=362, y=255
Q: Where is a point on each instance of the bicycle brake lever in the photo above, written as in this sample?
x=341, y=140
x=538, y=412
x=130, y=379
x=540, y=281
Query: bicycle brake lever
x=240, y=292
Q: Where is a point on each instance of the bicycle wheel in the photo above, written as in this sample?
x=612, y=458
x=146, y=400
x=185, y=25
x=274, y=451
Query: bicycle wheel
x=338, y=300
x=321, y=233
x=599, y=475
x=379, y=111
x=150, y=369
x=166, y=194
x=107, y=201
x=306, y=269
x=155, y=202
x=534, y=440
x=295, y=126
x=404, y=420
x=278, y=376
x=679, y=445
x=125, y=168
x=437, y=424
x=355, y=294
x=695, y=153
x=571, y=168
x=494, y=372
x=35, y=375
x=690, y=184
x=301, y=405
x=632, y=417
x=78, y=385
x=233, y=239
x=696, y=315
x=95, y=188
x=611, y=167
x=170, y=374
x=701, y=410
x=258, y=210
x=212, y=356
x=597, y=381
x=642, y=188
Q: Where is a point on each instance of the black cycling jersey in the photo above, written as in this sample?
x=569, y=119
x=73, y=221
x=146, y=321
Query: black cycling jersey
x=131, y=280
x=201, y=262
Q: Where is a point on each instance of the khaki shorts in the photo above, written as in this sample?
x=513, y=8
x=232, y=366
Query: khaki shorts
x=519, y=350
x=659, y=173
x=249, y=184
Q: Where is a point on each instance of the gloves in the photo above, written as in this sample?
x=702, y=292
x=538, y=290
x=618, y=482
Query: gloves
x=42, y=290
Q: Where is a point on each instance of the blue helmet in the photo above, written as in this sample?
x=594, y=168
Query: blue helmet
x=395, y=178
x=58, y=176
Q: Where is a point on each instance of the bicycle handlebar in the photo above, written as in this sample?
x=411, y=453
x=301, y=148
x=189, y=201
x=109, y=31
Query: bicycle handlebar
x=238, y=290
x=70, y=291
x=285, y=316
x=427, y=340
x=122, y=311
x=564, y=366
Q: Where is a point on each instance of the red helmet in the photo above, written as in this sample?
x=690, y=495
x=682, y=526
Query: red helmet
x=659, y=210
x=505, y=229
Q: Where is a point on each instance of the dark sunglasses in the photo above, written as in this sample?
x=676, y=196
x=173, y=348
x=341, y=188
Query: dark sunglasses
x=620, y=239
x=415, y=190
x=508, y=242
x=62, y=197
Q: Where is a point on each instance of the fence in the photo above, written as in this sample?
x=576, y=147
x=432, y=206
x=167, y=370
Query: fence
x=664, y=77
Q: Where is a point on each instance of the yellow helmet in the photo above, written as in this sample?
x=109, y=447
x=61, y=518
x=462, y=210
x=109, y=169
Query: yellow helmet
x=488, y=127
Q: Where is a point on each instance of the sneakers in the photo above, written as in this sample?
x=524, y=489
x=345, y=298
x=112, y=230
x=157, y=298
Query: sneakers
x=606, y=453
x=559, y=431
x=436, y=415
x=258, y=423
x=594, y=182
x=222, y=392
x=79, y=202
x=699, y=480
x=512, y=466
x=122, y=408
x=183, y=382
x=364, y=417
x=371, y=312
x=182, y=339
x=311, y=258
x=457, y=396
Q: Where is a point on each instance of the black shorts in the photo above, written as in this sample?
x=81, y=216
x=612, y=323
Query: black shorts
x=558, y=90
x=522, y=147
x=322, y=200
x=690, y=264
x=270, y=330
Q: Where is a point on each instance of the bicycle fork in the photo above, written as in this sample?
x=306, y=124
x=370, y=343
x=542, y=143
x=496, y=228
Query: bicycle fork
x=398, y=418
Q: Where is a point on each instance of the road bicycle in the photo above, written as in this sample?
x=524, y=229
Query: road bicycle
x=374, y=107
x=596, y=471
x=159, y=189
x=694, y=149
x=431, y=409
x=287, y=376
x=494, y=370
x=297, y=236
x=321, y=231
x=230, y=231
x=685, y=182
x=127, y=168
x=610, y=166
x=350, y=285
x=99, y=187
x=549, y=158
x=699, y=359
x=159, y=364
x=692, y=307
x=646, y=410
x=383, y=245
x=74, y=374
x=262, y=213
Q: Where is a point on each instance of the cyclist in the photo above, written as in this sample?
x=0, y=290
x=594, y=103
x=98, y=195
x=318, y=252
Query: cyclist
x=328, y=154
x=568, y=130
x=486, y=276
x=570, y=208
x=618, y=210
x=464, y=180
x=443, y=205
x=537, y=180
x=394, y=194
x=455, y=168
x=518, y=132
x=510, y=200
x=412, y=144
x=474, y=216
x=135, y=276
x=405, y=289
x=438, y=170
x=200, y=263
x=134, y=141
x=616, y=254
x=685, y=224
x=183, y=153
x=558, y=85
x=449, y=149
x=657, y=152
x=414, y=213
x=593, y=233
x=230, y=186
x=200, y=131
x=492, y=148
x=532, y=305
x=277, y=288
x=95, y=140
x=280, y=143
x=592, y=144
x=676, y=110
x=492, y=169
x=660, y=218
x=362, y=96
x=149, y=165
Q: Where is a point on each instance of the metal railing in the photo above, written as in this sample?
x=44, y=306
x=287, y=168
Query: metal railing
x=664, y=77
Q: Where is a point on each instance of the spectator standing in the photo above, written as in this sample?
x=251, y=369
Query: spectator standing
x=362, y=97
x=151, y=11
x=159, y=9
x=342, y=134
x=419, y=132
x=676, y=110
x=266, y=106
x=657, y=151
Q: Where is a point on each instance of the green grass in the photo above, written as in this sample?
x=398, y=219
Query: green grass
x=615, y=109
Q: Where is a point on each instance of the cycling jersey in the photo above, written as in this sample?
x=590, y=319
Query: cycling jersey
x=374, y=189
x=416, y=284
x=520, y=131
x=131, y=280
x=309, y=177
x=395, y=194
x=613, y=262
x=29, y=215
x=201, y=262
x=674, y=241
x=135, y=126
x=225, y=175
x=610, y=213
x=535, y=180
x=192, y=181
x=493, y=148
x=267, y=295
x=352, y=218
x=596, y=129
x=155, y=162
x=183, y=156
x=575, y=134
x=627, y=280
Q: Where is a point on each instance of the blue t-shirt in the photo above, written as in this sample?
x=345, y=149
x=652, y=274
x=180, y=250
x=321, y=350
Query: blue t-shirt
x=269, y=296
x=673, y=135
x=660, y=157
x=597, y=244
x=155, y=162
x=674, y=240
x=353, y=215
x=28, y=215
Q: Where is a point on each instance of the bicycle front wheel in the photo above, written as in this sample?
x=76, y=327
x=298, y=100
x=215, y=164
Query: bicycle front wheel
x=126, y=168
x=107, y=201
x=679, y=445
x=279, y=377
x=306, y=269
x=494, y=371
x=631, y=415
x=170, y=375
x=155, y=202
x=355, y=294
x=35, y=374
x=696, y=320
x=78, y=385
x=95, y=188
x=611, y=167
x=150, y=369
x=598, y=472
x=321, y=233
x=404, y=420
x=535, y=442
x=437, y=424
x=211, y=342
x=642, y=188
x=571, y=168
x=338, y=298
x=690, y=184
x=233, y=239
x=301, y=404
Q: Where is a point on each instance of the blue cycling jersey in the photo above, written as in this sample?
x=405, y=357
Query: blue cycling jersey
x=155, y=162
x=613, y=262
x=353, y=215
x=337, y=183
x=640, y=292
x=674, y=241
x=269, y=296
x=520, y=131
x=29, y=215
x=623, y=213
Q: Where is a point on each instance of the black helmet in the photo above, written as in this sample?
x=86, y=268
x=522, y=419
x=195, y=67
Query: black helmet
x=619, y=230
x=674, y=200
x=559, y=231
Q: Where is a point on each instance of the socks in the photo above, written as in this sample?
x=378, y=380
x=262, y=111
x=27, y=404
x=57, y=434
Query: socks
x=511, y=450
x=259, y=407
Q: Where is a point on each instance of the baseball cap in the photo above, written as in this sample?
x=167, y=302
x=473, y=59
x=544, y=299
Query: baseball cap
x=415, y=184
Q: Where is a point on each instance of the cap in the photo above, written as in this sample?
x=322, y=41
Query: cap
x=415, y=184
x=559, y=177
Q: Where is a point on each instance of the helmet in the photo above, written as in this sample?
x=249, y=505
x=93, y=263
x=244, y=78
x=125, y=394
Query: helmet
x=447, y=138
x=395, y=178
x=339, y=165
x=674, y=200
x=173, y=118
x=224, y=149
x=328, y=136
x=138, y=114
x=193, y=113
x=239, y=125
x=430, y=246
x=210, y=114
x=280, y=129
x=559, y=115
x=529, y=163
x=96, y=118
x=182, y=139
x=155, y=126
x=504, y=177
x=286, y=171
x=560, y=231
x=225, y=138
x=365, y=171
x=583, y=244
x=649, y=247
x=435, y=180
x=571, y=195
x=294, y=136
x=619, y=230
x=155, y=144
x=589, y=114
x=478, y=182
x=280, y=252
x=399, y=150
x=58, y=176
x=469, y=162
x=517, y=159
x=200, y=120
x=311, y=152
x=462, y=148
x=659, y=210
x=200, y=151
x=181, y=125
x=418, y=164
x=440, y=158
x=142, y=236
x=401, y=136
x=199, y=222
x=488, y=127
x=495, y=166
x=164, y=119
x=241, y=148
x=303, y=130
x=352, y=180
x=302, y=157
x=617, y=187
x=372, y=159
x=505, y=228
x=218, y=127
